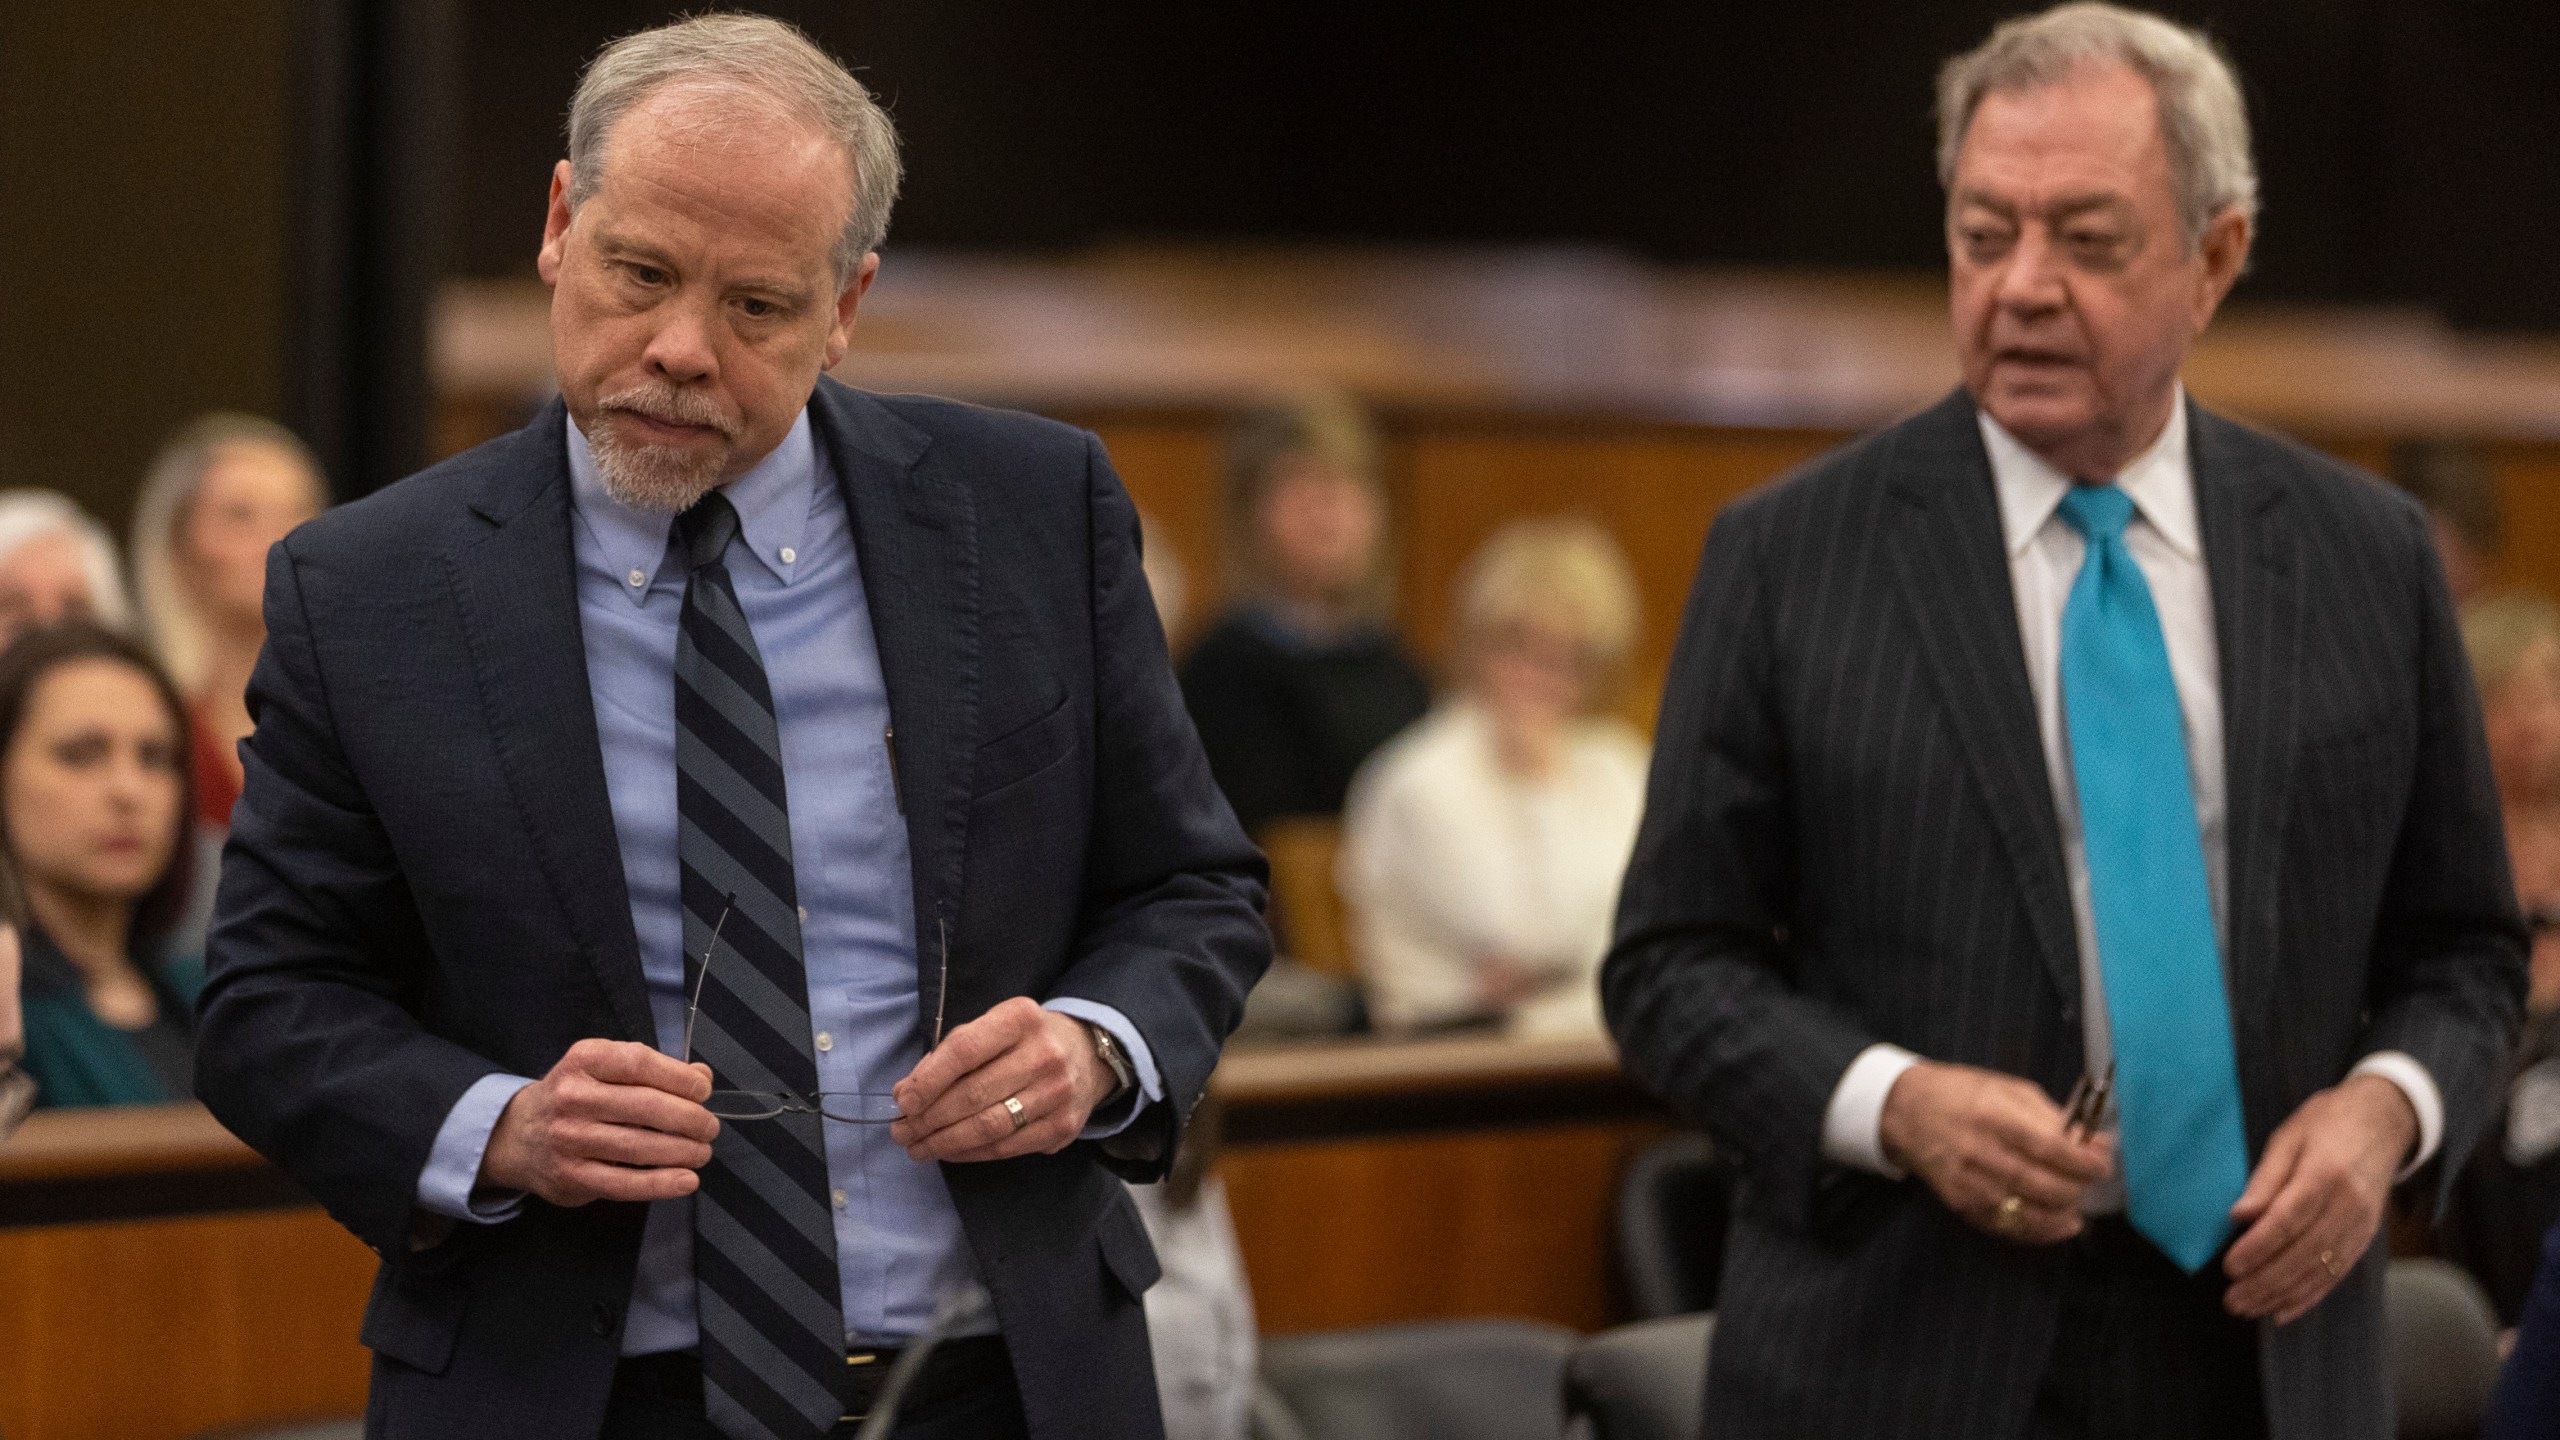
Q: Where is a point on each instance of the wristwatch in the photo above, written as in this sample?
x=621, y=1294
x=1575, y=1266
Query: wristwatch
x=1106, y=1047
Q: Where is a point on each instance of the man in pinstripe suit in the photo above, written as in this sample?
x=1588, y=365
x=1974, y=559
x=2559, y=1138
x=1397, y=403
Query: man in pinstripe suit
x=2068, y=730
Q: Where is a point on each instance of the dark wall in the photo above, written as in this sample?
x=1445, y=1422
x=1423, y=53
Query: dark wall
x=142, y=221
x=2392, y=132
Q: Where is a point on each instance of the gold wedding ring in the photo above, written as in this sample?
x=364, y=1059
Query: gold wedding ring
x=1013, y=1107
x=2010, y=1216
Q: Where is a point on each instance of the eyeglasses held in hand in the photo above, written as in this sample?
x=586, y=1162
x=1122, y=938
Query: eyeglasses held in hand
x=851, y=1107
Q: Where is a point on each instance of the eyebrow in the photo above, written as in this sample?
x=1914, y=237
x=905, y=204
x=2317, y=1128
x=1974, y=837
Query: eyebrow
x=2067, y=207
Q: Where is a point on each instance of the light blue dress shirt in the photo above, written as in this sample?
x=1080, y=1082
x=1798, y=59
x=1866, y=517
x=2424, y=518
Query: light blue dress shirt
x=899, y=1246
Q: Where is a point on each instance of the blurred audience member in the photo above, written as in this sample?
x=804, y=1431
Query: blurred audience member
x=1296, y=685
x=2509, y=1192
x=221, y=493
x=2527, y=1406
x=2454, y=482
x=94, y=795
x=1482, y=848
x=17, y=1090
x=2514, y=643
x=1166, y=579
x=55, y=564
x=1200, y=1321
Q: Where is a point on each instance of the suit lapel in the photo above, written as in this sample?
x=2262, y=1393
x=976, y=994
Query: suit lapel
x=2257, y=622
x=1954, y=571
x=515, y=584
x=916, y=535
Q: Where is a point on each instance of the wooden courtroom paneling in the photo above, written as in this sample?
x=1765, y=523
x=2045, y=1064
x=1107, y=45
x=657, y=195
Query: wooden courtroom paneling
x=2529, y=481
x=1655, y=488
x=1495, y=1222
x=1171, y=467
x=157, y=1329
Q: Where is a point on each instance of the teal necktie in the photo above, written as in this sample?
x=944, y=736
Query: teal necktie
x=2184, y=1153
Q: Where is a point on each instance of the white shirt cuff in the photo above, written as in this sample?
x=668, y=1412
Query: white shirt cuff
x=453, y=1165
x=2402, y=1069
x=1853, y=1125
x=1150, y=1088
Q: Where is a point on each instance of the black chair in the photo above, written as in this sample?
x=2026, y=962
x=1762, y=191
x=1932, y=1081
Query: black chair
x=1673, y=1208
x=2443, y=1340
x=1427, y=1380
x=1646, y=1381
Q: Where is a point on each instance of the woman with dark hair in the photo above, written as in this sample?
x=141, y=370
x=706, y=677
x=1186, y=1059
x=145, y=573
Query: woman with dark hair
x=1302, y=679
x=95, y=799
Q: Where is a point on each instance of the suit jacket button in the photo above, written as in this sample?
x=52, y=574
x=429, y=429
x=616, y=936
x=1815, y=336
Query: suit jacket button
x=604, y=1320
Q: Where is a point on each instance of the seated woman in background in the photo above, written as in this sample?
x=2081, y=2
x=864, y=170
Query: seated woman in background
x=221, y=493
x=95, y=809
x=17, y=1090
x=1482, y=849
x=1301, y=679
x=2509, y=1192
x=55, y=564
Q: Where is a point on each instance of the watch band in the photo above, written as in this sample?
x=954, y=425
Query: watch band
x=1106, y=1047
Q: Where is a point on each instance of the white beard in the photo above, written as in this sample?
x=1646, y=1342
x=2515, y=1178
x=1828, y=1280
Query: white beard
x=663, y=478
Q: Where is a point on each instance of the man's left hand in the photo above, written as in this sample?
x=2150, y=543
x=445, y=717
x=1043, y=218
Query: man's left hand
x=952, y=1105
x=2314, y=1205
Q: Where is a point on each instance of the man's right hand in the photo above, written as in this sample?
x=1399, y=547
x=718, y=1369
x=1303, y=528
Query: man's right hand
x=612, y=1121
x=1979, y=1137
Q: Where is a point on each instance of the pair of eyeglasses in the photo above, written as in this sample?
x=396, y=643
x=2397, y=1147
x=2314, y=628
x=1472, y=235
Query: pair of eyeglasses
x=850, y=1107
x=2091, y=1105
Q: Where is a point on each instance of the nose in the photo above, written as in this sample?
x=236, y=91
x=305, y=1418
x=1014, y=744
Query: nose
x=2031, y=281
x=681, y=350
x=129, y=779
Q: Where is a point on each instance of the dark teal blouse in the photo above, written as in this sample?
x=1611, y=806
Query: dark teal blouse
x=79, y=1059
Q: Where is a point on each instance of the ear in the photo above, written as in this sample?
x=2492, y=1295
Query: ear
x=555, y=226
x=840, y=335
x=2225, y=252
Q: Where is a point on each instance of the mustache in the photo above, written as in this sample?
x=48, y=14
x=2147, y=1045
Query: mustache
x=672, y=406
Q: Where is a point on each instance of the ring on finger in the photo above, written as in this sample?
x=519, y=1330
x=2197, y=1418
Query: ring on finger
x=1013, y=1110
x=2011, y=1215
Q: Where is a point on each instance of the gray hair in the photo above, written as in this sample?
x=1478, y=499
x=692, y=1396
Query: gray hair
x=758, y=62
x=2203, y=122
x=29, y=515
x=160, y=512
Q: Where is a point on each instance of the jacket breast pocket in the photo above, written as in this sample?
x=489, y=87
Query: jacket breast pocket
x=1024, y=751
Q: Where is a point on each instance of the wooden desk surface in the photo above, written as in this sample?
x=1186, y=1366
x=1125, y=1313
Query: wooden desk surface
x=123, y=1140
x=1370, y=1181
x=131, y=1162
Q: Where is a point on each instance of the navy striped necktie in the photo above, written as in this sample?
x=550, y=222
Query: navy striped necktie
x=764, y=1253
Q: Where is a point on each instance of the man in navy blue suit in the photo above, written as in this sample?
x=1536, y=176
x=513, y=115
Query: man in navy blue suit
x=725, y=876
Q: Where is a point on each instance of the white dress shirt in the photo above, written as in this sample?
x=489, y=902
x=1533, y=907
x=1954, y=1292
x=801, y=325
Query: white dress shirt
x=2044, y=560
x=1448, y=859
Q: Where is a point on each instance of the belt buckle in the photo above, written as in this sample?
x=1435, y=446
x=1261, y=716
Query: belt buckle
x=861, y=1359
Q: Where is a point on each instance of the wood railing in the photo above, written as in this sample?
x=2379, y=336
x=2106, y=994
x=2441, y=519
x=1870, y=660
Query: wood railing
x=158, y=1278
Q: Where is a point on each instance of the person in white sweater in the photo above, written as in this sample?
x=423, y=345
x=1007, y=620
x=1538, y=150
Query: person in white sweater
x=1482, y=847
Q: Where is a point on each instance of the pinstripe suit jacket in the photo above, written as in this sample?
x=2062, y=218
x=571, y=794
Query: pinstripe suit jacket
x=1850, y=838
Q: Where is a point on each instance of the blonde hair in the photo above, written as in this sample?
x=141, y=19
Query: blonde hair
x=755, y=61
x=2499, y=630
x=27, y=515
x=1563, y=572
x=2204, y=124
x=1325, y=426
x=160, y=513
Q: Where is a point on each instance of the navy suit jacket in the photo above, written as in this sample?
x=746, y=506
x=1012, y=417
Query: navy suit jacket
x=422, y=885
